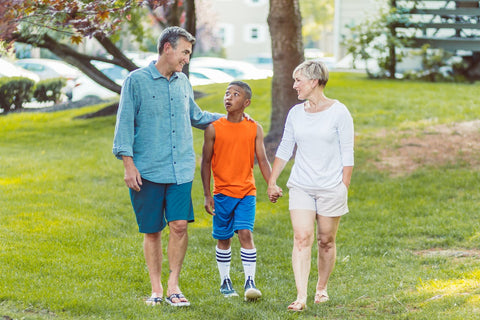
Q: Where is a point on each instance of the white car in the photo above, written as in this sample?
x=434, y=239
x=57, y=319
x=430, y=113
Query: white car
x=203, y=76
x=87, y=88
x=49, y=68
x=8, y=69
x=240, y=70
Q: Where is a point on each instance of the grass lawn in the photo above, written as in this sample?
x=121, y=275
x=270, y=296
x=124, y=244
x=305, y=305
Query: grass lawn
x=408, y=249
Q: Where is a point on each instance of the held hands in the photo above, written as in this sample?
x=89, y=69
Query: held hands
x=274, y=192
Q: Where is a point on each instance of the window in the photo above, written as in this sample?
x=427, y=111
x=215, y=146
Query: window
x=226, y=34
x=254, y=33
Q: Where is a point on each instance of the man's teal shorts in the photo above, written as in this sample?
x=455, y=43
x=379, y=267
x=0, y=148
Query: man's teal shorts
x=156, y=204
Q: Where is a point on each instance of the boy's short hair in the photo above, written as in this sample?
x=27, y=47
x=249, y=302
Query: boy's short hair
x=171, y=35
x=244, y=86
x=313, y=69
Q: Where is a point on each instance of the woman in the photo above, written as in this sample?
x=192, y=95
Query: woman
x=322, y=130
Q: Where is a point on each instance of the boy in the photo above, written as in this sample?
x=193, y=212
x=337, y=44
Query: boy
x=229, y=149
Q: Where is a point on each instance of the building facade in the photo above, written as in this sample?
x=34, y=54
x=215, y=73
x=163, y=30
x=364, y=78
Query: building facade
x=242, y=26
x=349, y=13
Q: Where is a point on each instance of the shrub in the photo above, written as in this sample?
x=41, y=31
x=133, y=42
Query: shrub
x=14, y=91
x=49, y=89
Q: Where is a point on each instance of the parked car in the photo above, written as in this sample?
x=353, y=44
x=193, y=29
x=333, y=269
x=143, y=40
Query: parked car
x=203, y=76
x=49, y=68
x=87, y=88
x=114, y=72
x=261, y=61
x=8, y=69
x=237, y=69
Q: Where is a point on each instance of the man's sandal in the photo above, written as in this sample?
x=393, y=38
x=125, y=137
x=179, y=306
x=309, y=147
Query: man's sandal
x=321, y=296
x=297, y=306
x=182, y=301
x=153, y=301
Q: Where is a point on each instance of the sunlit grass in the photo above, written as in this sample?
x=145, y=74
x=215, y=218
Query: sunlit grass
x=70, y=249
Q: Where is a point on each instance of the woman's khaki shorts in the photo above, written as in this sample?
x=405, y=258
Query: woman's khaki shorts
x=325, y=202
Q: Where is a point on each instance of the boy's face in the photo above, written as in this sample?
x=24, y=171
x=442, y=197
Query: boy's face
x=235, y=99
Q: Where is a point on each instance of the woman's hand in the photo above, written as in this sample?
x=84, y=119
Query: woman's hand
x=274, y=192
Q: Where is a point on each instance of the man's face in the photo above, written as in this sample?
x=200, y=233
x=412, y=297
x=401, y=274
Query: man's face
x=179, y=56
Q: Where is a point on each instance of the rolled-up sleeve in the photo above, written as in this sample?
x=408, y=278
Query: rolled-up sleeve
x=125, y=126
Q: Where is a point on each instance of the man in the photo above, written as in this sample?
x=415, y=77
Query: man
x=153, y=137
x=229, y=150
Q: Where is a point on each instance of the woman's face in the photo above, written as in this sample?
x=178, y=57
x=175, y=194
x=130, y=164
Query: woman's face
x=303, y=85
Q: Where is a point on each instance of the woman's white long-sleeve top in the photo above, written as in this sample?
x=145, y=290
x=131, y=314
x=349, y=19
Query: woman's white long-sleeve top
x=324, y=146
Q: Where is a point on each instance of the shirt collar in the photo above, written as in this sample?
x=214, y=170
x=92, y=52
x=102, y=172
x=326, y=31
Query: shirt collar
x=156, y=74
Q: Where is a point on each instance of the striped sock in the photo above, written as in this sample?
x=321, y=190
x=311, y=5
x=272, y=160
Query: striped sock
x=249, y=261
x=224, y=257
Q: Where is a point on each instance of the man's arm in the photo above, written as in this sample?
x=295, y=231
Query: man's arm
x=206, y=167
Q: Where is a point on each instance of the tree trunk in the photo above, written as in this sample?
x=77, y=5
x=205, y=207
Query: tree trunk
x=190, y=24
x=285, y=24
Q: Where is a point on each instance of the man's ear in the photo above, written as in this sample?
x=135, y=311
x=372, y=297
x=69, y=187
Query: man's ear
x=247, y=102
x=167, y=46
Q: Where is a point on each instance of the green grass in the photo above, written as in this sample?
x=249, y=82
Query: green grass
x=69, y=246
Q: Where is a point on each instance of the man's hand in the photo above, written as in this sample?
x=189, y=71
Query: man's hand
x=132, y=178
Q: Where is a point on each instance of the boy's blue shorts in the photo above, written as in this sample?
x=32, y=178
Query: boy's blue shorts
x=232, y=214
x=156, y=204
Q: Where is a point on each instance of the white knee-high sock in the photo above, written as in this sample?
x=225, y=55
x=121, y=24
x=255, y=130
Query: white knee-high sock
x=249, y=261
x=224, y=257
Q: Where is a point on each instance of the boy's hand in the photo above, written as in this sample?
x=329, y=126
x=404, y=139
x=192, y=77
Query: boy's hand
x=209, y=205
x=274, y=192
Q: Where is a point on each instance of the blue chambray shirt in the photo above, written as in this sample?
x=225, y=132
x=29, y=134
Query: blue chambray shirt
x=154, y=125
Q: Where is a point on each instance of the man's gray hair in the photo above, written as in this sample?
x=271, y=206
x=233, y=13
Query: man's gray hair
x=313, y=69
x=171, y=35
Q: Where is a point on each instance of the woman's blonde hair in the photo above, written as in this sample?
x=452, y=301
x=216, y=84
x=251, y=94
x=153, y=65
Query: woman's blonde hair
x=313, y=69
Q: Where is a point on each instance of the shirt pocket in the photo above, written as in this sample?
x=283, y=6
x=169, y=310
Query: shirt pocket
x=155, y=104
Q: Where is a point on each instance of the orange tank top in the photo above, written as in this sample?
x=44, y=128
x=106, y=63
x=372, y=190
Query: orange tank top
x=233, y=158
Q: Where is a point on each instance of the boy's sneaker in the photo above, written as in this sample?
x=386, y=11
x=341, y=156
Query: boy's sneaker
x=227, y=289
x=251, y=292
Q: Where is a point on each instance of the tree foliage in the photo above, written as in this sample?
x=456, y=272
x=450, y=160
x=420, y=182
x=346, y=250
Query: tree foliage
x=59, y=26
x=376, y=38
x=317, y=17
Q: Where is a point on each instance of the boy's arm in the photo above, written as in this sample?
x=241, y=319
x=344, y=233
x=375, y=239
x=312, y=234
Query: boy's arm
x=261, y=154
x=206, y=167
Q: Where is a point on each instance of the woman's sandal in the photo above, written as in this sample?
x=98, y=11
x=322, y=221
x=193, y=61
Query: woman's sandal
x=297, y=306
x=321, y=296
